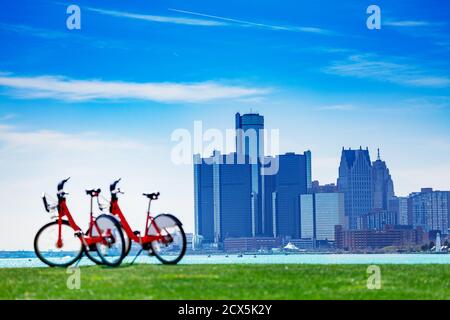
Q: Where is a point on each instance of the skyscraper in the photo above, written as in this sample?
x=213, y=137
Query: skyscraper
x=320, y=213
x=223, y=198
x=203, y=201
x=235, y=199
x=290, y=182
x=400, y=206
x=383, y=187
x=250, y=143
x=430, y=209
x=355, y=181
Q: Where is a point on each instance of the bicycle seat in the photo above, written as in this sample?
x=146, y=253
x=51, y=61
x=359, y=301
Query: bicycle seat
x=152, y=196
x=93, y=192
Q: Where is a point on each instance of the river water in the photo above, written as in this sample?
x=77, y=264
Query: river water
x=267, y=259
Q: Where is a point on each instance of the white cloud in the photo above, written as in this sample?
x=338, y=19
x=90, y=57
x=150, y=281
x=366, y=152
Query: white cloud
x=244, y=23
x=387, y=70
x=7, y=116
x=338, y=107
x=14, y=138
x=157, y=18
x=62, y=88
x=409, y=23
x=33, y=31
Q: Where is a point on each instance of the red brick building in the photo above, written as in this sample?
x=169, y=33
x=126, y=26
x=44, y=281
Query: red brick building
x=251, y=244
x=373, y=239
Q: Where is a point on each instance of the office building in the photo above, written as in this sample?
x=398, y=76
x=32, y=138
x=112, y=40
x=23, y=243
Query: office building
x=250, y=143
x=430, y=210
x=223, y=198
x=399, y=236
x=377, y=220
x=234, y=199
x=290, y=182
x=383, y=186
x=251, y=244
x=320, y=213
x=355, y=181
x=400, y=206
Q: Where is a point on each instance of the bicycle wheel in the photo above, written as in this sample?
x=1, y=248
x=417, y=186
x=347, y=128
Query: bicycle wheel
x=170, y=252
x=92, y=254
x=57, y=253
x=127, y=243
x=112, y=252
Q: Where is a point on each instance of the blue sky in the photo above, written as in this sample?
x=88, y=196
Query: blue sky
x=102, y=102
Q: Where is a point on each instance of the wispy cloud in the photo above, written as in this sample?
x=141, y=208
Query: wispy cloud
x=158, y=18
x=13, y=138
x=422, y=28
x=33, y=31
x=387, y=70
x=245, y=23
x=338, y=107
x=7, y=116
x=62, y=88
x=59, y=36
x=410, y=23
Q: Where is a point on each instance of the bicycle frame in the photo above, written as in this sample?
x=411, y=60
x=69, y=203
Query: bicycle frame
x=88, y=240
x=150, y=221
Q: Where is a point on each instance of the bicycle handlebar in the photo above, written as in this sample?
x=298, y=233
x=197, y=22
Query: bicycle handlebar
x=62, y=183
x=113, y=185
x=44, y=199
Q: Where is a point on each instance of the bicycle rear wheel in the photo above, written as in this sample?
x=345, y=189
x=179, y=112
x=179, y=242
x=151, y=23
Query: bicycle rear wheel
x=112, y=252
x=55, y=251
x=172, y=251
x=93, y=255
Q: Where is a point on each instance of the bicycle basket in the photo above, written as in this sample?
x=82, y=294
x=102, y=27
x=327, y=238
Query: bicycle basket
x=50, y=204
x=103, y=203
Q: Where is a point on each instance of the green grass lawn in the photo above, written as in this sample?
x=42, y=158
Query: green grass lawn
x=228, y=282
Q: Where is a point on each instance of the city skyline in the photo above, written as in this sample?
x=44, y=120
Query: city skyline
x=102, y=102
x=236, y=202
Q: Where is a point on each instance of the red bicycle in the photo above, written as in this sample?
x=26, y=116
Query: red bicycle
x=163, y=237
x=61, y=242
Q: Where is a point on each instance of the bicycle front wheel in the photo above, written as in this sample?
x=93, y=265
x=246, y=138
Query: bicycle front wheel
x=172, y=249
x=58, y=247
x=112, y=250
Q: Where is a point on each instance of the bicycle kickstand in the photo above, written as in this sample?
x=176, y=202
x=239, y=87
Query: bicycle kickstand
x=78, y=262
x=137, y=255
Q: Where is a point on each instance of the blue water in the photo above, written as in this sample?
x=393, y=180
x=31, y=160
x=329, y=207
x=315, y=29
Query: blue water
x=268, y=259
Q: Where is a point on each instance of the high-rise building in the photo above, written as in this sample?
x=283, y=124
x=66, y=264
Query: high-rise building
x=383, y=187
x=377, y=220
x=401, y=236
x=320, y=213
x=250, y=143
x=204, y=199
x=234, y=199
x=400, y=206
x=430, y=209
x=290, y=182
x=223, y=198
x=355, y=181
x=317, y=187
x=269, y=214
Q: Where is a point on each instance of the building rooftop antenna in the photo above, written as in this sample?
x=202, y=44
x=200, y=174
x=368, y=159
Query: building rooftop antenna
x=378, y=150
